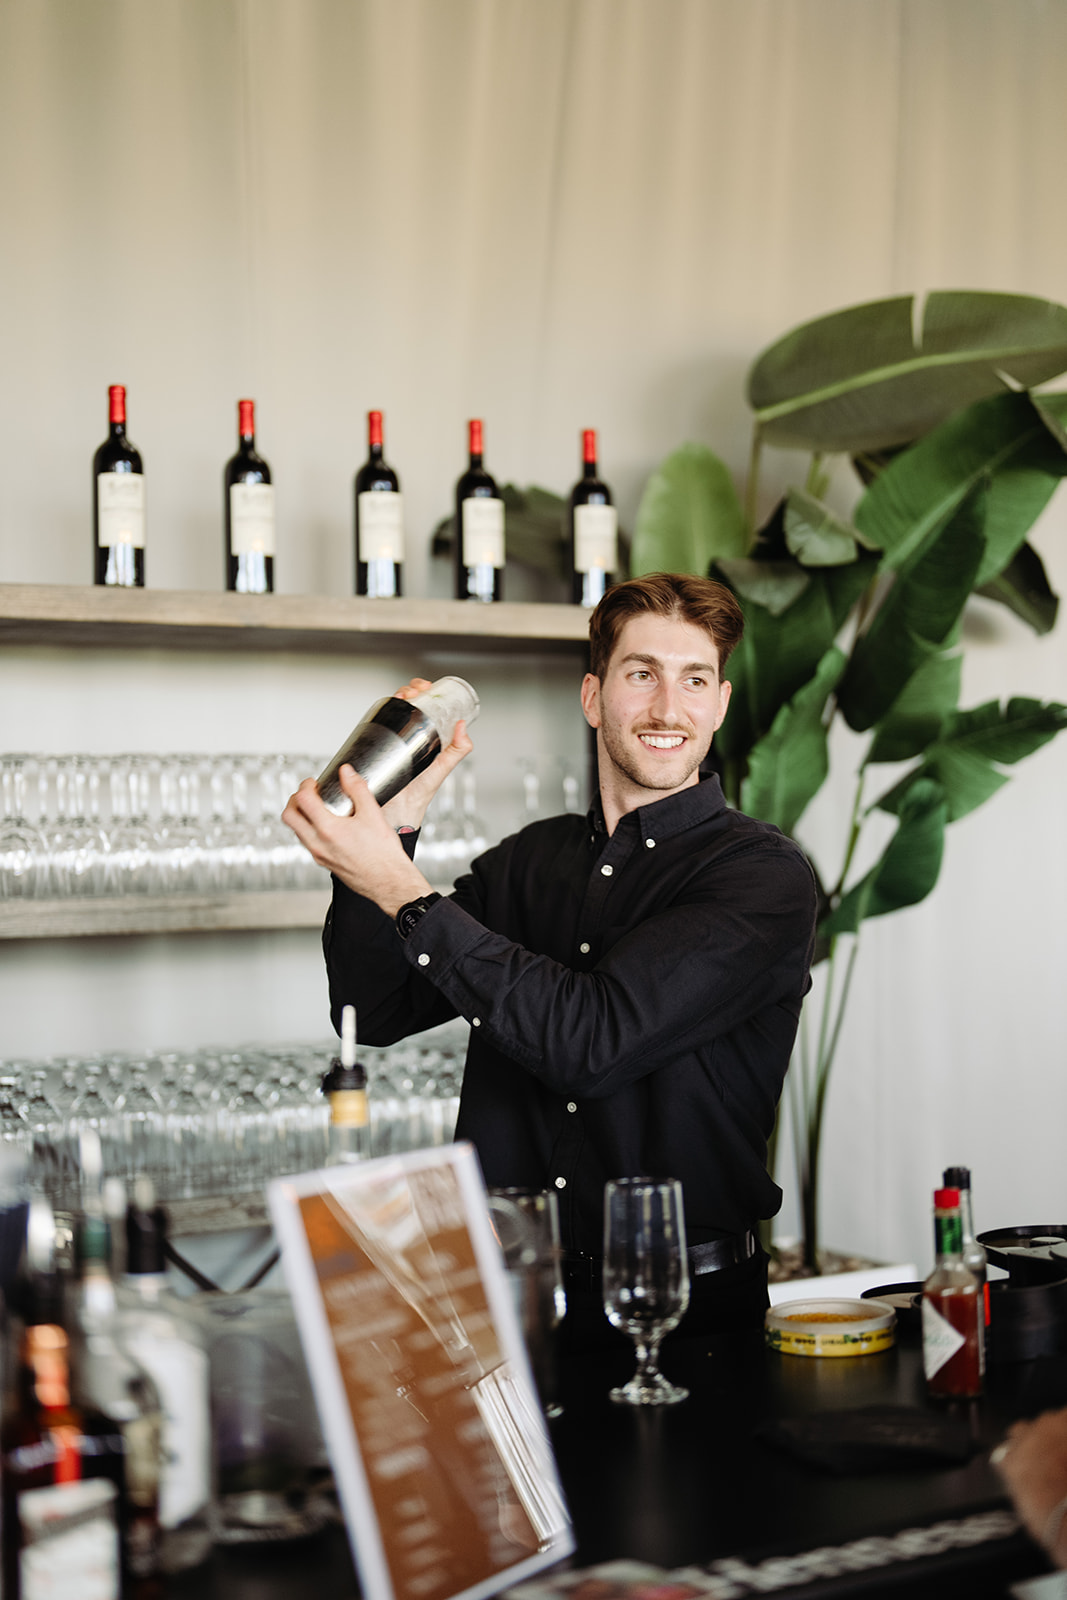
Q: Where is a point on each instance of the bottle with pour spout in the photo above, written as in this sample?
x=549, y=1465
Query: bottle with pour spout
x=398, y=739
x=345, y=1087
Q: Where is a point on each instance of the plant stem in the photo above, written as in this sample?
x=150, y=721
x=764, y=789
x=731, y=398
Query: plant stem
x=752, y=483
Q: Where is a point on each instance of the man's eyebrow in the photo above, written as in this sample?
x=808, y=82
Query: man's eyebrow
x=654, y=661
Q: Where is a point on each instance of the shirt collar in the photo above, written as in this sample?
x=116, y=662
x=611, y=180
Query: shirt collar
x=662, y=819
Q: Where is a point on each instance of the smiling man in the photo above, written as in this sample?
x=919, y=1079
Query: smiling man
x=633, y=978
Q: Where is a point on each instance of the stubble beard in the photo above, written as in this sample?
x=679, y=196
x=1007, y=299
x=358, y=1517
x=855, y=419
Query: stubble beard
x=626, y=760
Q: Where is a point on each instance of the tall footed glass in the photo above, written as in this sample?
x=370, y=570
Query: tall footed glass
x=646, y=1278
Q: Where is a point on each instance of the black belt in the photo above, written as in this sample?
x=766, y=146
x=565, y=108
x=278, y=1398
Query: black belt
x=581, y=1270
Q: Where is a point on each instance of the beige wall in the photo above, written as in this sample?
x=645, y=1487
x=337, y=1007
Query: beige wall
x=554, y=213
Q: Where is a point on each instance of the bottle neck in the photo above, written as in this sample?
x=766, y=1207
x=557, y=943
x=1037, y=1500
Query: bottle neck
x=374, y=454
x=948, y=1235
x=476, y=460
x=117, y=430
x=246, y=442
x=589, y=468
x=966, y=1217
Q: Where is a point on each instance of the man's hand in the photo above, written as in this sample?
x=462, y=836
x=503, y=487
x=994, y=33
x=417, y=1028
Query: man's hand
x=363, y=850
x=410, y=805
x=1033, y=1463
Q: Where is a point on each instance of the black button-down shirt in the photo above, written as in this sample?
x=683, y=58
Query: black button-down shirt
x=633, y=1002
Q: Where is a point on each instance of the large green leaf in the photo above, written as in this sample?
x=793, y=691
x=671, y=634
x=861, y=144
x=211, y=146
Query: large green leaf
x=780, y=652
x=1002, y=444
x=1024, y=588
x=918, y=715
x=689, y=515
x=908, y=869
x=787, y=768
x=860, y=380
x=964, y=761
x=916, y=617
x=815, y=536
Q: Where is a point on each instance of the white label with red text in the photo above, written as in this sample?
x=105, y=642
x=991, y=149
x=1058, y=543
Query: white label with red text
x=120, y=509
x=70, y=1541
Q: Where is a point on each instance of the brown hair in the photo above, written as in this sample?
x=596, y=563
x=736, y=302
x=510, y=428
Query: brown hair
x=700, y=601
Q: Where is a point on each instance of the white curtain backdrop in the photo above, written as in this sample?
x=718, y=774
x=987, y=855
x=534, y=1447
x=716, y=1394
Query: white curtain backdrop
x=553, y=214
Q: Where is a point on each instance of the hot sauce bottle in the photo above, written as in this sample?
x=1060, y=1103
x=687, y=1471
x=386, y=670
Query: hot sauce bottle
x=953, y=1315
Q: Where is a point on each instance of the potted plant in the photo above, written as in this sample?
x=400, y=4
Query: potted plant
x=853, y=611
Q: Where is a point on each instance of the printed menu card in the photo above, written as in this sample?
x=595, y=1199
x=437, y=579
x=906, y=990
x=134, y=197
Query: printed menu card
x=428, y=1407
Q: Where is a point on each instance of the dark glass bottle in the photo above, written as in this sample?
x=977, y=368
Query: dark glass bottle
x=249, y=511
x=592, y=531
x=379, y=521
x=479, y=538
x=63, y=1463
x=118, y=503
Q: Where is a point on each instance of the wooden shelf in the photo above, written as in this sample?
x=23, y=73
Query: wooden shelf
x=68, y=614
x=78, y=919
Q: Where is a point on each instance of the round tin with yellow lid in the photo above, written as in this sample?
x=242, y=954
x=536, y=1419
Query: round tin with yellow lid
x=830, y=1327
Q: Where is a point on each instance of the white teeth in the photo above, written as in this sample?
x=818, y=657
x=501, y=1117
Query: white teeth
x=663, y=741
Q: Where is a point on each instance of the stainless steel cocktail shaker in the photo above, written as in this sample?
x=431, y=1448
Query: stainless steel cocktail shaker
x=397, y=740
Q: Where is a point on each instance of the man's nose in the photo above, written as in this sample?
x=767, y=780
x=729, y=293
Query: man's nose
x=665, y=704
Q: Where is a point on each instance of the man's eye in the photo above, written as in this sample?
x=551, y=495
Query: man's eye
x=698, y=683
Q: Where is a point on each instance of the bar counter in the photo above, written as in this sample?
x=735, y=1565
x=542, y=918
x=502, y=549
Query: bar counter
x=696, y=1483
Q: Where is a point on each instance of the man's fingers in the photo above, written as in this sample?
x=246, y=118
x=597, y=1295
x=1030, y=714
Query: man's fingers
x=415, y=687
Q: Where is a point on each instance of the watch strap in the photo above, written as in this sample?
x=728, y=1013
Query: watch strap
x=409, y=916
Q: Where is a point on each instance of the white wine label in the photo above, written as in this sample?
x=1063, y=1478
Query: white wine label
x=483, y=532
x=252, y=519
x=595, y=541
x=381, y=525
x=940, y=1339
x=70, y=1541
x=120, y=509
x=180, y=1371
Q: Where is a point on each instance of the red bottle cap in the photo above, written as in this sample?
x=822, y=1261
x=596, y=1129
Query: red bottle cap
x=116, y=403
x=589, y=446
x=947, y=1199
x=374, y=428
x=246, y=418
x=474, y=428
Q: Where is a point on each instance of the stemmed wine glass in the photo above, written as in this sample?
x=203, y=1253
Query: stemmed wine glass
x=646, y=1278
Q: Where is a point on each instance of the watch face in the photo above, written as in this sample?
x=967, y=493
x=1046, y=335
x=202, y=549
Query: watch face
x=408, y=916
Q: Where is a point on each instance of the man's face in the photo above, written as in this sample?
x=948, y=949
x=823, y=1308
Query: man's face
x=657, y=707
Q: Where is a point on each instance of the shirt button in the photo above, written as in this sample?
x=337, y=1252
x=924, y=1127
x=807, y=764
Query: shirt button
x=571, y=1105
x=424, y=960
x=476, y=1022
x=607, y=871
x=561, y=1183
x=650, y=844
x=584, y=948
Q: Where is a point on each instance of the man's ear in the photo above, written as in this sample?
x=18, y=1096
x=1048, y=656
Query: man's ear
x=724, y=700
x=590, y=697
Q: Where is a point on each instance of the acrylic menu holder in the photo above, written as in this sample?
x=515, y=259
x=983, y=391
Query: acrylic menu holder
x=428, y=1407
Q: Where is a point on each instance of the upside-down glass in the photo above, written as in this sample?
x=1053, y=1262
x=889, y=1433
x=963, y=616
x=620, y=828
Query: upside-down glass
x=646, y=1278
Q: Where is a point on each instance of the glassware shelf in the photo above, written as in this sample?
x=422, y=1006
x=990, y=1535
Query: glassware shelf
x=84, y=614
x=74, y=917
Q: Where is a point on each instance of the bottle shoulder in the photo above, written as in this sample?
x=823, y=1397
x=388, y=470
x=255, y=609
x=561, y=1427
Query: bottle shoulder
x=246, y=467
x=475, y=483
x=117, y=455
x=376, y=477
x=590, y=492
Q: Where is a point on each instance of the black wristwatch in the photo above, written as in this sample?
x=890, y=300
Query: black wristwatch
x=409, y=916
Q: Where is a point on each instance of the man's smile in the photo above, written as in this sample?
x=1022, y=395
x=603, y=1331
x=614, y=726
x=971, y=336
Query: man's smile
x=662, y=741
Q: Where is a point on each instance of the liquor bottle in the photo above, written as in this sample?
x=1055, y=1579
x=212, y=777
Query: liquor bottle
x=118, y=503
x=953, y=1319
x=345, y=1087
x=249, y=511
x=592, y=529
x=974, y=1255
x=62, y=1462
x=379, y=521
x=157, y=1330
x=109, y=1379
x=479, y=541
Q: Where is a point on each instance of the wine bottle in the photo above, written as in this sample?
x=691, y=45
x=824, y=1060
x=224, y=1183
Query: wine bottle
x=118, y=503
x=158, y=1331
x=345, y=1087
x=379, y=521
x=592, y=530
x=249, y=510
x=953, y=1315
x=62, y=1462
x=479, y=540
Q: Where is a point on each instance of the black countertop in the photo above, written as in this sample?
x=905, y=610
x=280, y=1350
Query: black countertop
x=696, y=1483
